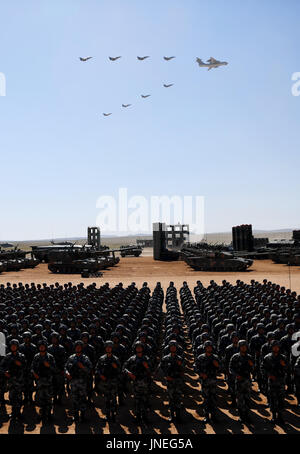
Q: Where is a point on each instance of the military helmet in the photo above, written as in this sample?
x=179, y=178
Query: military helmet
x=78, y=342
x=14, y=342
x=260, y=326
x=108, y=343
x=208, y=343
x=138, y=343
x=173, y=342
x=242, y=342
x=275, y=342
x=42, y=342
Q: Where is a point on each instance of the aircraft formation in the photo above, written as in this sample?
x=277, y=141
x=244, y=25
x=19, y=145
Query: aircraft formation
x=211, y=63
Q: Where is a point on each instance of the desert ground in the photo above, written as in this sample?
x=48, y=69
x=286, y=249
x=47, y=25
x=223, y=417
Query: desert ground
x=145, y=269
x=139, y=270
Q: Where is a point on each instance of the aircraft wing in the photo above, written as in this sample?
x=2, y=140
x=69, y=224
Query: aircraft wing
x=213, y=60
x=200, y=62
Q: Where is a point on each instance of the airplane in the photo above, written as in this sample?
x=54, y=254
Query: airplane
x=142, y=58
x=107, y=114
x=168, y=58
x=145, y=96
x=126, y=105
x=114, y=58
x=84, y=58
x=212, y=63
x=167, y=86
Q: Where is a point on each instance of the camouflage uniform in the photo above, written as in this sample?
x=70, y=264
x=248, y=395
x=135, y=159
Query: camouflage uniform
x=59, y=354
x=173, y=366
x=208, y=365
x=44, y=392
x=78, y=381
x=15, y=382
x=241, y=365
x=256, y=343
x=229, y=352
x=275, y=366
x=297, y=379
x=109, y=367
x=140, y=386
x=29, y=351
x=3, y=384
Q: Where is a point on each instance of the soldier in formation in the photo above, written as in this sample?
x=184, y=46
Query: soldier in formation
x=55, y=337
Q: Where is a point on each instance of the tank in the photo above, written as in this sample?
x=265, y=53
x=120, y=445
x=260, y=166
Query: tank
x=205, y=257
x=14, y=259
x=30, y=262
x=75, y=262
x=131, y=250
x=14, y=265
x=75, y=266
x=287, y=256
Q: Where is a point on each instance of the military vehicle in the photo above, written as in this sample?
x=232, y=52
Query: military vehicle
x=263, y=253
x=14, y=265
x=15, y=260
x=30, y=262
x=67, y=266
x=290, y=256
x=79, y=261
x=42, y=253
x=2, y=267
x=131, y=250
x=204, y=257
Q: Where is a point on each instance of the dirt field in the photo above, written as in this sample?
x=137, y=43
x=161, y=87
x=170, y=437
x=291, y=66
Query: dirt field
x=142, y=269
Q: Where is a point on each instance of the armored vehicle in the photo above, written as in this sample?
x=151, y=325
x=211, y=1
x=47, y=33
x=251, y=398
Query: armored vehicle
x=2, y=267
x=30, y=262
x=131, y=250
x=76, y=261
x=14, y=265
x=75, y=266
x=204, y=257
x=218, y=261
x=289, y=256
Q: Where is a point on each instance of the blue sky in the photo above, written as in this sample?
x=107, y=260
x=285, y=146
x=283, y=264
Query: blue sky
x=230, y=134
